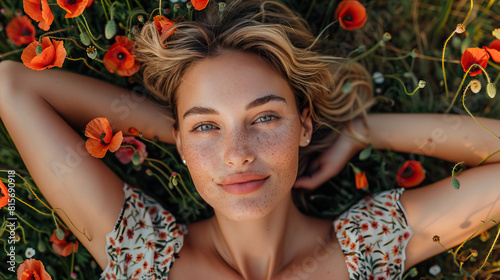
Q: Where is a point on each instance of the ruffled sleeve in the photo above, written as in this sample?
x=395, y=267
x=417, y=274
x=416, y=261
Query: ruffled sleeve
x=373, y=235
x=145, y=240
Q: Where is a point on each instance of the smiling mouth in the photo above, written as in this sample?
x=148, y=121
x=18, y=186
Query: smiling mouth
x=238, y=187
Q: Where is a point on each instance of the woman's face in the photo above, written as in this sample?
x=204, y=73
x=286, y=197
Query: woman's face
x=239, y=132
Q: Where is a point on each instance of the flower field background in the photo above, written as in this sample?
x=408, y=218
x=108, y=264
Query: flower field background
x=400, y=42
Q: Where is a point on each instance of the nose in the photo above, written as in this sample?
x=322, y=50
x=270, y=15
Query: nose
x=238, y=151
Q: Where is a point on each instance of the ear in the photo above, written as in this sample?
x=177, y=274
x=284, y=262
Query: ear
x=307, y=127
x=178, y=142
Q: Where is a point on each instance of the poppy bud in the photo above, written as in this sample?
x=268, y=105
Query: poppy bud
x=491, y=90
x=413, y=272
x=361, y=49
x=496, y=33
x=189, y=5
x=110, y=29
x=436, y=238
x=176, y=8
x=378, y=78
x=140, y=18
x=39, y=49
x=149, y=172
x=222, y=7
x=387, y=36
x=85, y=39
x=460, y=28
x=421, y=84
x=475, y=86
x=414, y=53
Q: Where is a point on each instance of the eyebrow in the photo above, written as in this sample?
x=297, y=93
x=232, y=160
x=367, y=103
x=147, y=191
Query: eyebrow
x=198, y=110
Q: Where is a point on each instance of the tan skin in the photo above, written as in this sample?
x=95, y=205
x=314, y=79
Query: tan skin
x=251, y=236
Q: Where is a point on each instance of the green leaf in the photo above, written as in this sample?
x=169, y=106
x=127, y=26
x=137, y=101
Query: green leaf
x=136, y=158
x=455, y=183
x=365, y=154
x=59, y=233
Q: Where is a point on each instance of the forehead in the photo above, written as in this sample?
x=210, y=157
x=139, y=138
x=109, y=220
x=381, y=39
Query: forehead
x=231, y=79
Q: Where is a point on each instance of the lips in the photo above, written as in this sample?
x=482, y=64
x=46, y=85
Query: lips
x=243, y=183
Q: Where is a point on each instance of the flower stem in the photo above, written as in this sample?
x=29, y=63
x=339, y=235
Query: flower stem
x=404, y=87
x=442, y=64
x=164, y=185
x=471, y=236
x=470, y=11
x=462, y=83
x=82, y=232
x=86, y=63
x=105, y=13
x=466, y=109
x=189, y=193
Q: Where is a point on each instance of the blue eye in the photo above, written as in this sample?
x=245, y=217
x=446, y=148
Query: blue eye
x=204, y=127
x=267, y=118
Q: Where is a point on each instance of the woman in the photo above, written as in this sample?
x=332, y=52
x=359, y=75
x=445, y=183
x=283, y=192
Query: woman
x=247, y=96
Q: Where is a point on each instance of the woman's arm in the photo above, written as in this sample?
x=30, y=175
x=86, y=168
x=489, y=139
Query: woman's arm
x=39, y=109
x=436, y=209
x=78, y=99
x=439, y=209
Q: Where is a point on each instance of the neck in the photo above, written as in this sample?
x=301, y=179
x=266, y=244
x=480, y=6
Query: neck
x=261, y=248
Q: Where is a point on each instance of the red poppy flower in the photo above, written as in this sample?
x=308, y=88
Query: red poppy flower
x=133, y=131
x=32, y=269
x=39, y=10
x=73, y=8
x=20, y=30
x=119, y=57
x=63, y=247
x=125, y=154
x=90, y=3
x=475, y=55
x=410, y=174
x=4, y=195
x=52, y=55
x=199, y=4
x=494, y=50
x=351, y=14
x=101, y=138
x=361, y=181
x=164, y=26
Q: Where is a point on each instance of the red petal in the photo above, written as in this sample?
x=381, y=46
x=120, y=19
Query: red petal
x=96, y=127
x=474, y=55
x=199, y=4
x=116, y=142
x=95, y=148
x=4, y=197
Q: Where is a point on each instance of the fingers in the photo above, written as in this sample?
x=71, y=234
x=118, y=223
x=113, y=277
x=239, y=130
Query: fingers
x=315, y=179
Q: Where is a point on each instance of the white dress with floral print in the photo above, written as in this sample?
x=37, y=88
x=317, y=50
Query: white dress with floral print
x=146, y=238
x=373, y=235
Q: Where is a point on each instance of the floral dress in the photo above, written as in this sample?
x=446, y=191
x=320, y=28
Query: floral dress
x=146, y=238
x=373, y=235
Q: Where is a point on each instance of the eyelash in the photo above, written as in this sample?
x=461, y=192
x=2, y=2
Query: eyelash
x=272, y=116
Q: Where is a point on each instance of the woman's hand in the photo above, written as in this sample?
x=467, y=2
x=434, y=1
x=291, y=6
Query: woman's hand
x=334, y=159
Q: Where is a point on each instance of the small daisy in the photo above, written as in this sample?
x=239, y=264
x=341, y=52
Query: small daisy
x=30, y=252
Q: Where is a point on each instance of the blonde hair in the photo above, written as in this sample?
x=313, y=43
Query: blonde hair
x=272, y=31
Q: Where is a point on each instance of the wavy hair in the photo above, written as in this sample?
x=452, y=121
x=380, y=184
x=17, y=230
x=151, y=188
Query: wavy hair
x=272, y=31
